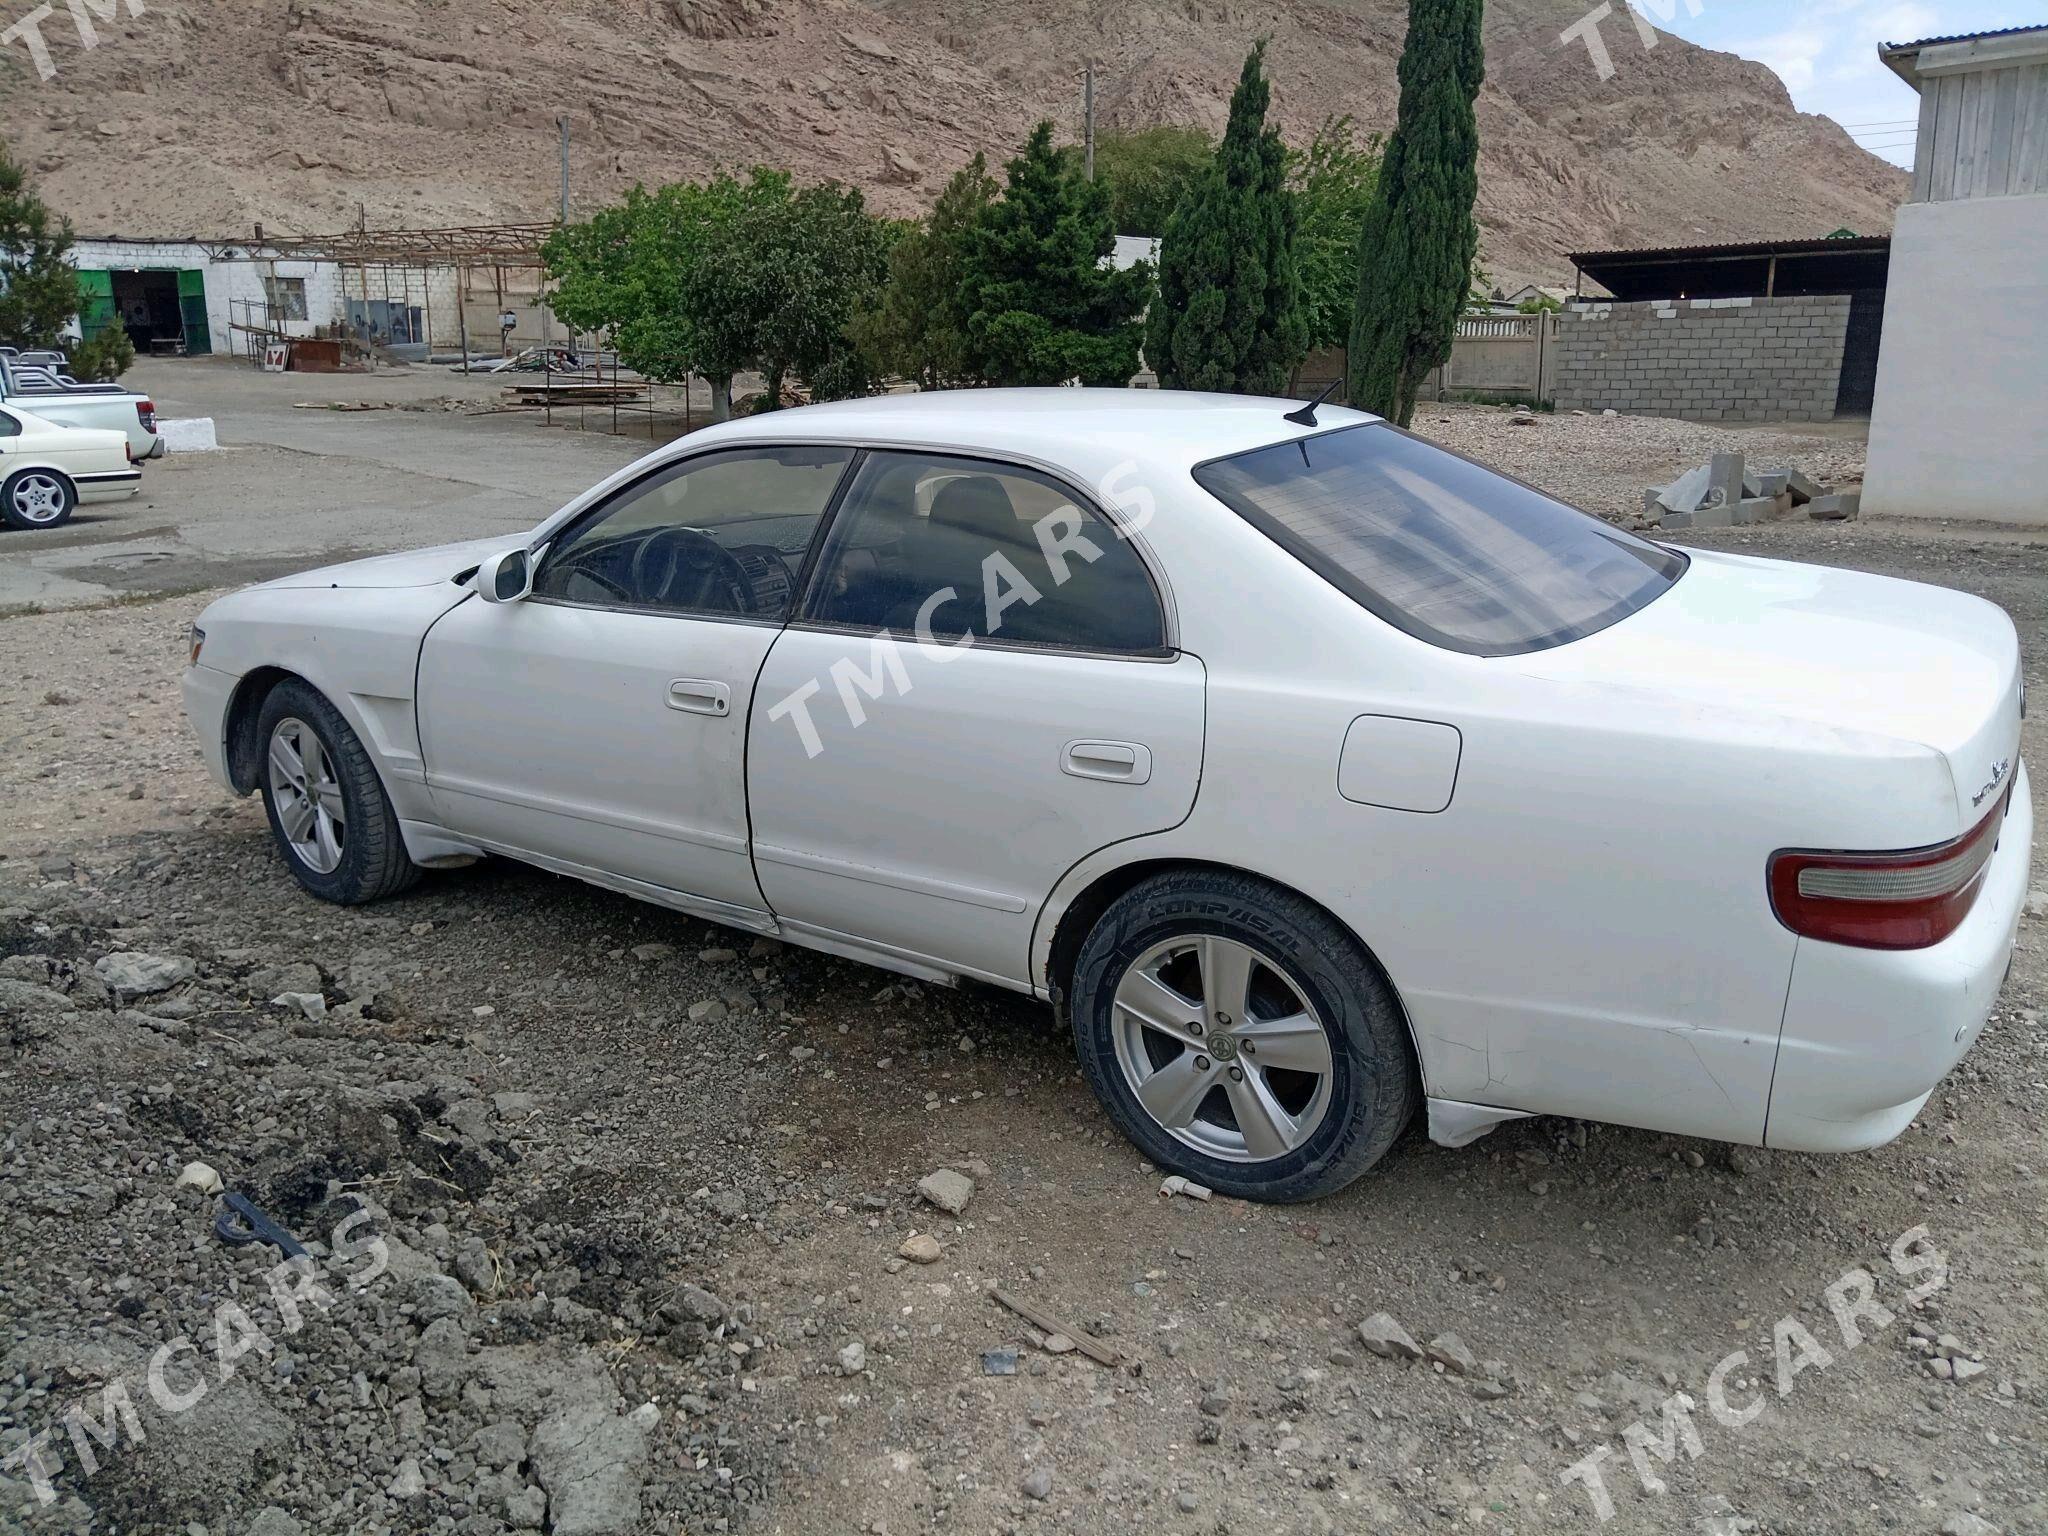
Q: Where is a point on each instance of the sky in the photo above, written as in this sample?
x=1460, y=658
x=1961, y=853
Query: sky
x=1826, y=50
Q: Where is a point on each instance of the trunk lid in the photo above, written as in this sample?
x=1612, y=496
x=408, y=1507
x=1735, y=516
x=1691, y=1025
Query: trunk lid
x=1843, y=650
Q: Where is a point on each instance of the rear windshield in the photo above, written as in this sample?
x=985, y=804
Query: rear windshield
x=1452, y=553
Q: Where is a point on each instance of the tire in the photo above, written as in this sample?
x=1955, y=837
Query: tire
x=1306, y=1132
x=355, y=857
x=37, y=498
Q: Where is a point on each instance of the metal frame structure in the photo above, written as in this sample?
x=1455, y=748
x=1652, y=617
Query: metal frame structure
x=501, y=248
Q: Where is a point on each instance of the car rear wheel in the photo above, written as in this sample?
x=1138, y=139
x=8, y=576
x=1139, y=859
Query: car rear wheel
x=327, y=807
x=37, y=498
x=1241, y=1037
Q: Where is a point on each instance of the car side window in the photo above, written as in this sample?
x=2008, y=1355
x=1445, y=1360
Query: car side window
x=724, y=533
x=932, y=545
x=9, y=427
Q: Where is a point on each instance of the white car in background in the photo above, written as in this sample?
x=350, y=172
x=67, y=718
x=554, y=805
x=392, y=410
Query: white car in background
x=48, y=471
x=1316, y=774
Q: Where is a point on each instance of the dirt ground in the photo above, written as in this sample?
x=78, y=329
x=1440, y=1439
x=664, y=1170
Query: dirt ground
x=648, y=1180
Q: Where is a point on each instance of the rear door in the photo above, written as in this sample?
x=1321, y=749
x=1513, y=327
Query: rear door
x=981, y=689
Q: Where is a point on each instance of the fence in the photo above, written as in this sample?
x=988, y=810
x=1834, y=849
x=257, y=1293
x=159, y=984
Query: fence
x=1502, y=357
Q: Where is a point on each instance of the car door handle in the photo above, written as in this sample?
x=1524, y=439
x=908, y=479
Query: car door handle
x=699, y=696
x=1121, y=762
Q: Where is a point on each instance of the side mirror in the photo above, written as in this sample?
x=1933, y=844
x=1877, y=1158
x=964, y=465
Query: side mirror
x=505, y=577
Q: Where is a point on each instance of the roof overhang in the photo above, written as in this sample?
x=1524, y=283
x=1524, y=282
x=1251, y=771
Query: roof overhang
x=1932, y=57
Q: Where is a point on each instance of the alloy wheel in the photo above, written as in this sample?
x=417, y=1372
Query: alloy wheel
x=1221, y=1049
x=38, y=498
x=307, y=794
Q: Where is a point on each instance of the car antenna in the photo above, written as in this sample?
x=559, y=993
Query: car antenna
x=1306, y=416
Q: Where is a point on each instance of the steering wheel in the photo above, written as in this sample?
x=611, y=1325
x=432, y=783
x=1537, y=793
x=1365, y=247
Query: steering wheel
x=689, y=569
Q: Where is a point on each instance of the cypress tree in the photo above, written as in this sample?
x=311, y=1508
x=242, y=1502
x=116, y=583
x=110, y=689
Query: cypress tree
x=1043, y=306
x=1416, y=249
x=1229, y=313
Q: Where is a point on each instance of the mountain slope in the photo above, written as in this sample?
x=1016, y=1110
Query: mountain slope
x=203, y=118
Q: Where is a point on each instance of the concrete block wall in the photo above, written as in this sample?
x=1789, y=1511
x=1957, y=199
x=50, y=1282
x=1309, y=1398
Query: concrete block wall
x=1704, y=359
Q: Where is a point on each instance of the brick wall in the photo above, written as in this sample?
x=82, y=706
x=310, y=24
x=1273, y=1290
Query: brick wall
x=1706, y=359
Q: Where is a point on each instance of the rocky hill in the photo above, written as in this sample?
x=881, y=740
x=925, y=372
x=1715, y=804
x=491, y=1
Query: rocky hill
x=205, y=118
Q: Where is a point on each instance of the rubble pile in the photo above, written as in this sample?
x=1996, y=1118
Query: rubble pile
x=1724, y=493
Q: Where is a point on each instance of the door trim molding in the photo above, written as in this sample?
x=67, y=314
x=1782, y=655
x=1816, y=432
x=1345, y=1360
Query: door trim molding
x=700, y=837
x=896, y=880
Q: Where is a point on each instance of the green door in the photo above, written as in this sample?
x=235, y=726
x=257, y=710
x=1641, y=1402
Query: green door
x=192, y=311
x=96, y=302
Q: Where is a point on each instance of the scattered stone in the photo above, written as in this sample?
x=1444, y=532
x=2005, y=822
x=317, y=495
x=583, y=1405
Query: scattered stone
x=311, y=1004
x=1452, y=1353
x=201, y=1177
x=409, y=1483
x=853, y=1359
x=132, y=974
x=948, y=1189
x=1037, y=1484
x=592, y=1462
x=921, y=1248
x=1387, y=1338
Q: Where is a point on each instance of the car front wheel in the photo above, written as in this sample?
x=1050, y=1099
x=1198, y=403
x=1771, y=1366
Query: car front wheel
x=1241, y=1037
x=327, y=807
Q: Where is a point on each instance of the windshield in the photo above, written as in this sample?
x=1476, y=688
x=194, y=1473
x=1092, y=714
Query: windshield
x=1453, y=553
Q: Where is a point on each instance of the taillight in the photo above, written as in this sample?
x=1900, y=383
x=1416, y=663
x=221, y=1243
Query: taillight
x=145, y=412
x=1903, y=900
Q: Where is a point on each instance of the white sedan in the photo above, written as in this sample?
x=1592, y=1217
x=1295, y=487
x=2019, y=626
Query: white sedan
x=1315, y=774
x=47, y=471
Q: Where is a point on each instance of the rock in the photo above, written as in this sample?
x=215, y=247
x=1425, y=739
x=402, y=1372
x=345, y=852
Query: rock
x=1451, y=1352
x=1387, y=1338
x=199, y=1176
x=442, y=1356
x=650, y=952
x=699, y=1304
x=527, y=1509
x=273, y=1522
x=853, y=1359
x=1186, y=1502
x=437, y=1296
x=474, y=1266
x=132, y=974
x=591, y=1461
x=311, y=1004
x=512, y=1106
x=409, y=1483
x=710, y=1011
x=1965, y=1369
x=921, y=1248
x=1963, y=1523
x=502, y=1444
x=1037, y=1484
x=948, y=1189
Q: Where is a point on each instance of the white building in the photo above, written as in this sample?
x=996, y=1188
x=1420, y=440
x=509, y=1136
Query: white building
x=1962, y=377
x=190, y=295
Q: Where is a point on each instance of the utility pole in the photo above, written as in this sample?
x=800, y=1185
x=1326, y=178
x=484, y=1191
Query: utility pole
x=1088, y=120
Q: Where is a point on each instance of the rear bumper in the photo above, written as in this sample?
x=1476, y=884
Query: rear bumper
x=208, y=692
x=1869, y=1033
x=117, y=486
x=157, y=447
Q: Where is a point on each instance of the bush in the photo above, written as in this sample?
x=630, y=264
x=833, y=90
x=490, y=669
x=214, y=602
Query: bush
x=103, y=359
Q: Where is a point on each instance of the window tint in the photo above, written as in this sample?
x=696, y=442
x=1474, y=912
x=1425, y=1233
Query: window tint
x=1438, y=546
x=9, y=427
x=725, y=533
x=951, y=547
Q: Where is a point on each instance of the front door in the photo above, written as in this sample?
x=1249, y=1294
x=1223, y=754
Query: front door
x=600, y=724
x=980, y=691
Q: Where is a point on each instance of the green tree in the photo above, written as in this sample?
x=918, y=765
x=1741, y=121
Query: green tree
x=1419, y=239
x=38, y=285
x=1229, y=316
x=1539, y=304
x=780, y=290
x=1148, y=171
x=725, y=275
x=103, y=358
x=1043, y=305
x=915, y=329
x=1334, y=179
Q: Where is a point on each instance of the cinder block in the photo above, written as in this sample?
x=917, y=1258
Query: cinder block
x=1724, y=479
x=1713, y=517
x=1834, y=507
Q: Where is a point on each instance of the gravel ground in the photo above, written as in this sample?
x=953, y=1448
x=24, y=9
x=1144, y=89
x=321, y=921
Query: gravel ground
x=642, y=1185
x=1604, y=463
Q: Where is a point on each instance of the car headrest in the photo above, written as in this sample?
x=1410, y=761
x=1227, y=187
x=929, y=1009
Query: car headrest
x=976, y=504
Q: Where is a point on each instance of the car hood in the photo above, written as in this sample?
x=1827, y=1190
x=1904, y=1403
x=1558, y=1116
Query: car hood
x=1860, y=654
x=413, y=568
